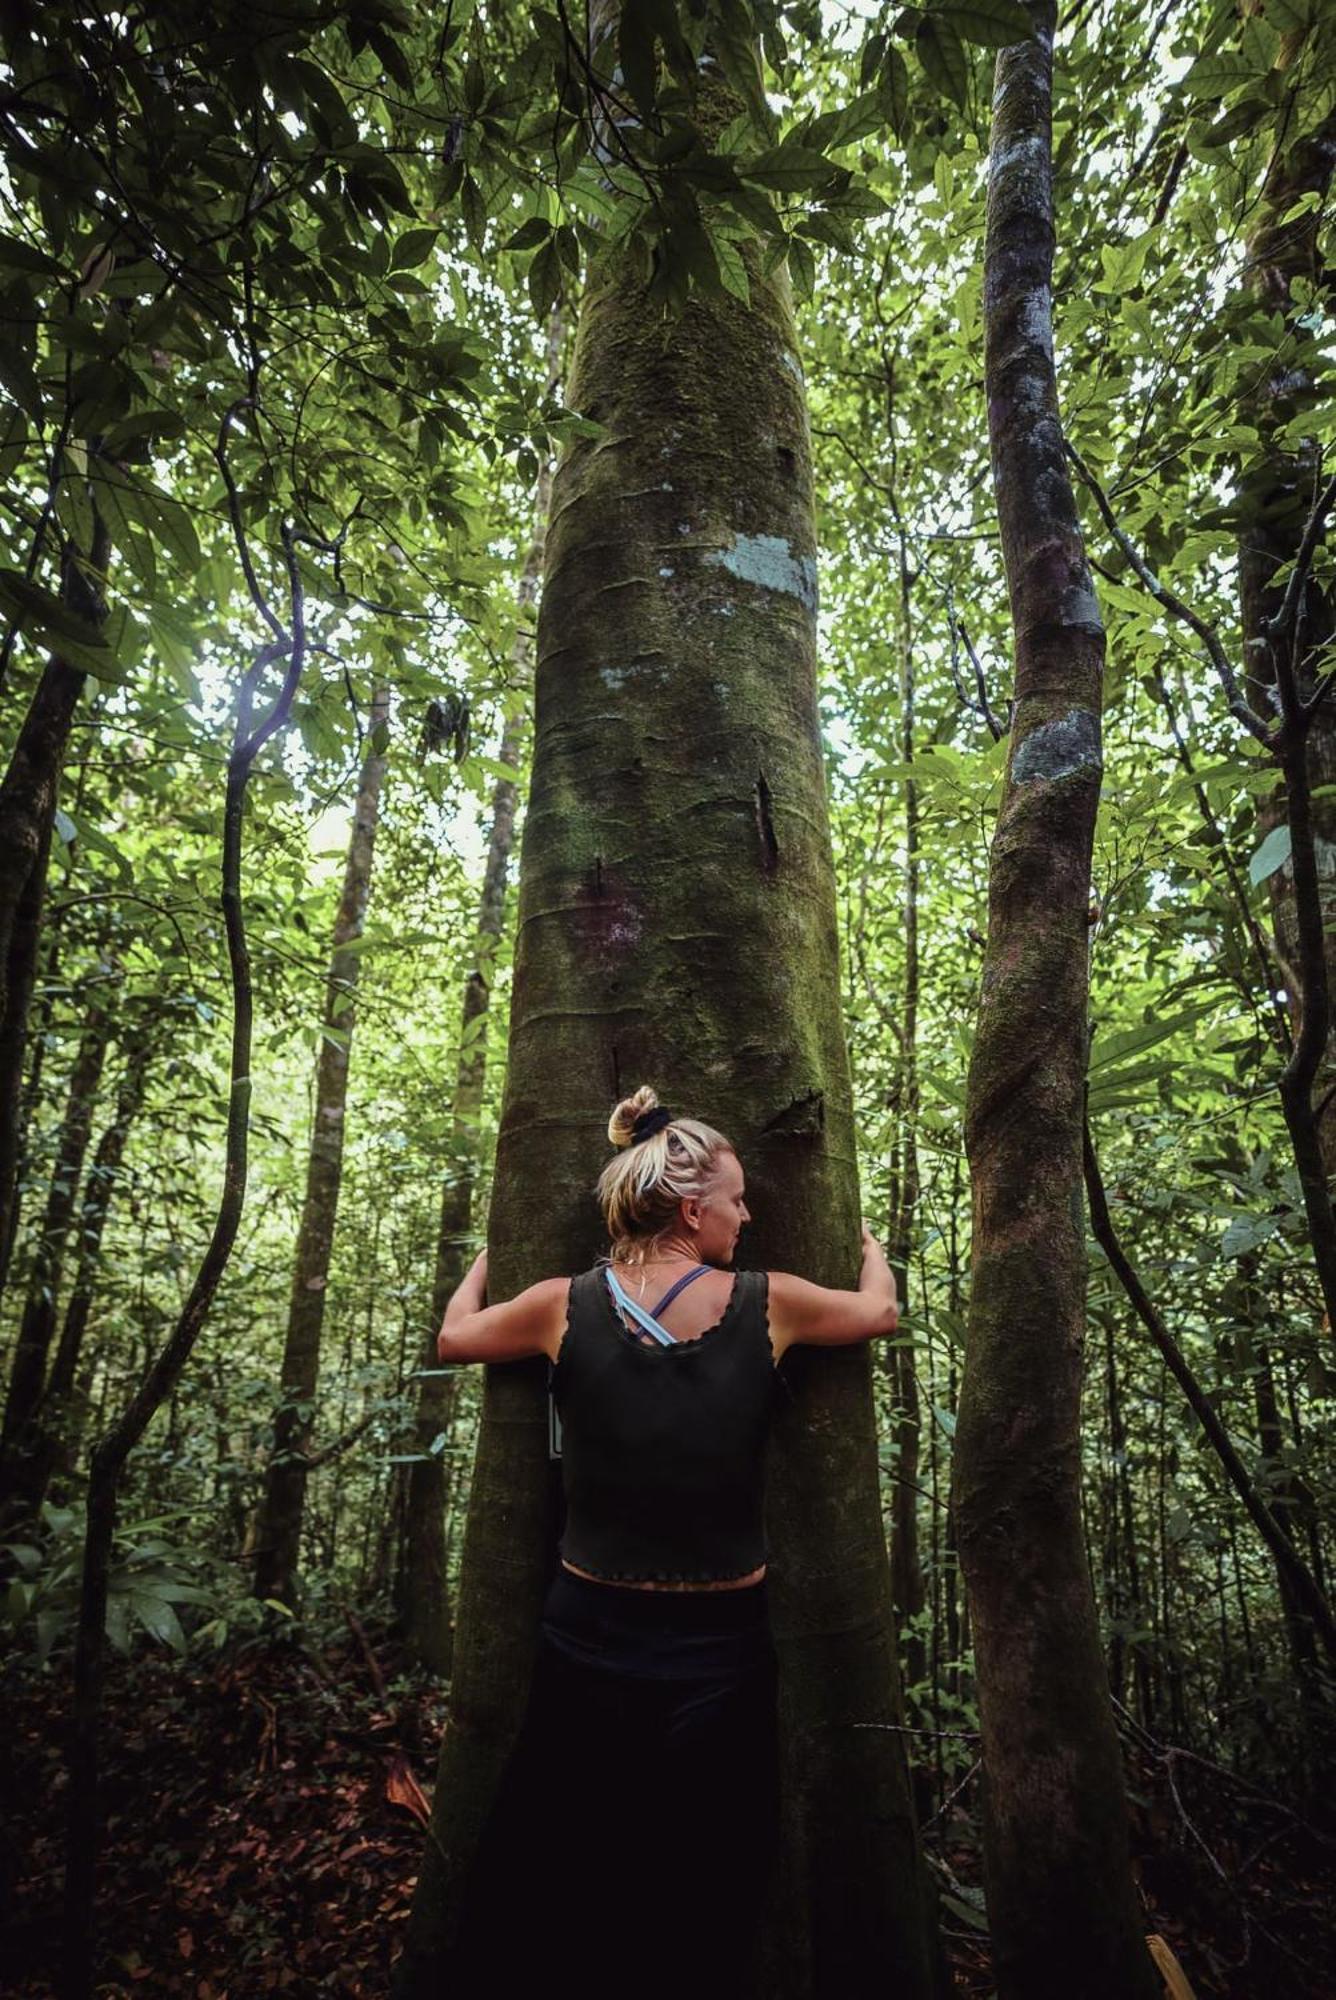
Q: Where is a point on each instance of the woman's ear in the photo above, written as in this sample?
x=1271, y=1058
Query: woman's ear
x=689, y=1210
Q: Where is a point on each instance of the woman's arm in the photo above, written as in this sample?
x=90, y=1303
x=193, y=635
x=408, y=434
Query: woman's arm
x=531, y=1323
x=802, y=1313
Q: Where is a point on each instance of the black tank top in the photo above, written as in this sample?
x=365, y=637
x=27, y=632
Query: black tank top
x=663, y=1448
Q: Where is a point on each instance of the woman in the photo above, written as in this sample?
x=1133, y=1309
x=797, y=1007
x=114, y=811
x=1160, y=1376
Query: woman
x=641, y=1800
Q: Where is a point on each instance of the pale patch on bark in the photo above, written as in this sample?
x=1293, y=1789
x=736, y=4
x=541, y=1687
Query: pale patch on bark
x=769, y=561
x=1059, y=749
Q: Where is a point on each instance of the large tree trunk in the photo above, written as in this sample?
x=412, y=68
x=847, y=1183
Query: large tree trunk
x=1061, y=1903
x=1275, y=495
x=27, y=1377
x=677, y=926
x=279, y=1521
x=27, y=810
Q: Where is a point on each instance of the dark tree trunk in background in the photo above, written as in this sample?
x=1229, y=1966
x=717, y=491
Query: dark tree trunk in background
x=1061, y=1904
x=279, y=1521
x=60, y=1415
x=37, y=1326
x=677, y=926
x=27, y=810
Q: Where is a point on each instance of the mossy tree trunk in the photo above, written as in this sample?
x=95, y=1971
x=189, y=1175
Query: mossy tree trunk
x=1276, y=493
x=677, y=925
x=1061, y=1904
x=279, y=1519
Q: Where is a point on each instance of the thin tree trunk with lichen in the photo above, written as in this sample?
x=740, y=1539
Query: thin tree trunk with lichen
x=278, y=1528
x=907, y=1587
x=60, y=1416
x=1061, y=1904
x=677, y=926
x=423, y=1587
x=27, y=1380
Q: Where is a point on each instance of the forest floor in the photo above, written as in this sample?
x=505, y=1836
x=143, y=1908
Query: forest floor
x=264, y=1828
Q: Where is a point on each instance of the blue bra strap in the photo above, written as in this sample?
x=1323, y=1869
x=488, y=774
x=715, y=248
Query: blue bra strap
x=638, y=1313
x=681, y=1286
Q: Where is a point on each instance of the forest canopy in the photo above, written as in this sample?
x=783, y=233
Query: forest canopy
x=290, y=300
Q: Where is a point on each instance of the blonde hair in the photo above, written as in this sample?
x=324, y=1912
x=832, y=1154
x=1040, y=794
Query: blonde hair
x=641, y=1186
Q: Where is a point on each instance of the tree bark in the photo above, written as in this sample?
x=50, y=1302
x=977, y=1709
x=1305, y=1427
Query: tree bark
x=677, y=926
x=907, y=1589
x=1275, y=494
x=279, y=1520
x=27, y=810
x=37, y=1326
x=59, y=1419
x=1061, y=1904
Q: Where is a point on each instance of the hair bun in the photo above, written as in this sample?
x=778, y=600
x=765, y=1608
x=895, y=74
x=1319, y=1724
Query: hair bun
x=621, y=1125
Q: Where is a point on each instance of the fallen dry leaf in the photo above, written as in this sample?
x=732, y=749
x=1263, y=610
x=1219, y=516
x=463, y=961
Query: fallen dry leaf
x=403, y=1789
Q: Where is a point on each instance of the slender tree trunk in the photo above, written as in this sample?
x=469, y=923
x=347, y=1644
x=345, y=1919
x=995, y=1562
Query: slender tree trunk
x=1275, y=495
x=38, y=1324
x=677, y=925
x=279, y=1522
x=907, y=1588
x=1061, y=1904
x=1295, y=1578
x=27, y=810
x=423, y=1590
x=164, y=1371
x=62, y=1411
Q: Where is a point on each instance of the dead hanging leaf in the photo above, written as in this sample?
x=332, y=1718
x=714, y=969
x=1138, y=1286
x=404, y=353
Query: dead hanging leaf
x=403, y=1789
x=1171, y=1972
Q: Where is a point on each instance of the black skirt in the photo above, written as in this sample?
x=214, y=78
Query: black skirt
x=635, y=1828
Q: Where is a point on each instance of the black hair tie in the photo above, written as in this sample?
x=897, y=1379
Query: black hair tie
x=650, y=1122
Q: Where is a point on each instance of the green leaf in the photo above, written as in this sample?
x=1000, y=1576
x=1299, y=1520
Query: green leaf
x=992, y=24
x=789, y=168
x=530, y=234
x=413, y=248
x=78, y=828
x=1273, y=853
x=636, y=53
x=475, y=212
x=802, y=267
x=895, y=90
x=158, y=1619
x=732, y=269
x=43, y=618
x=942, y=54
x=19, y=255
x=545, y=279
x=1216, y=76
